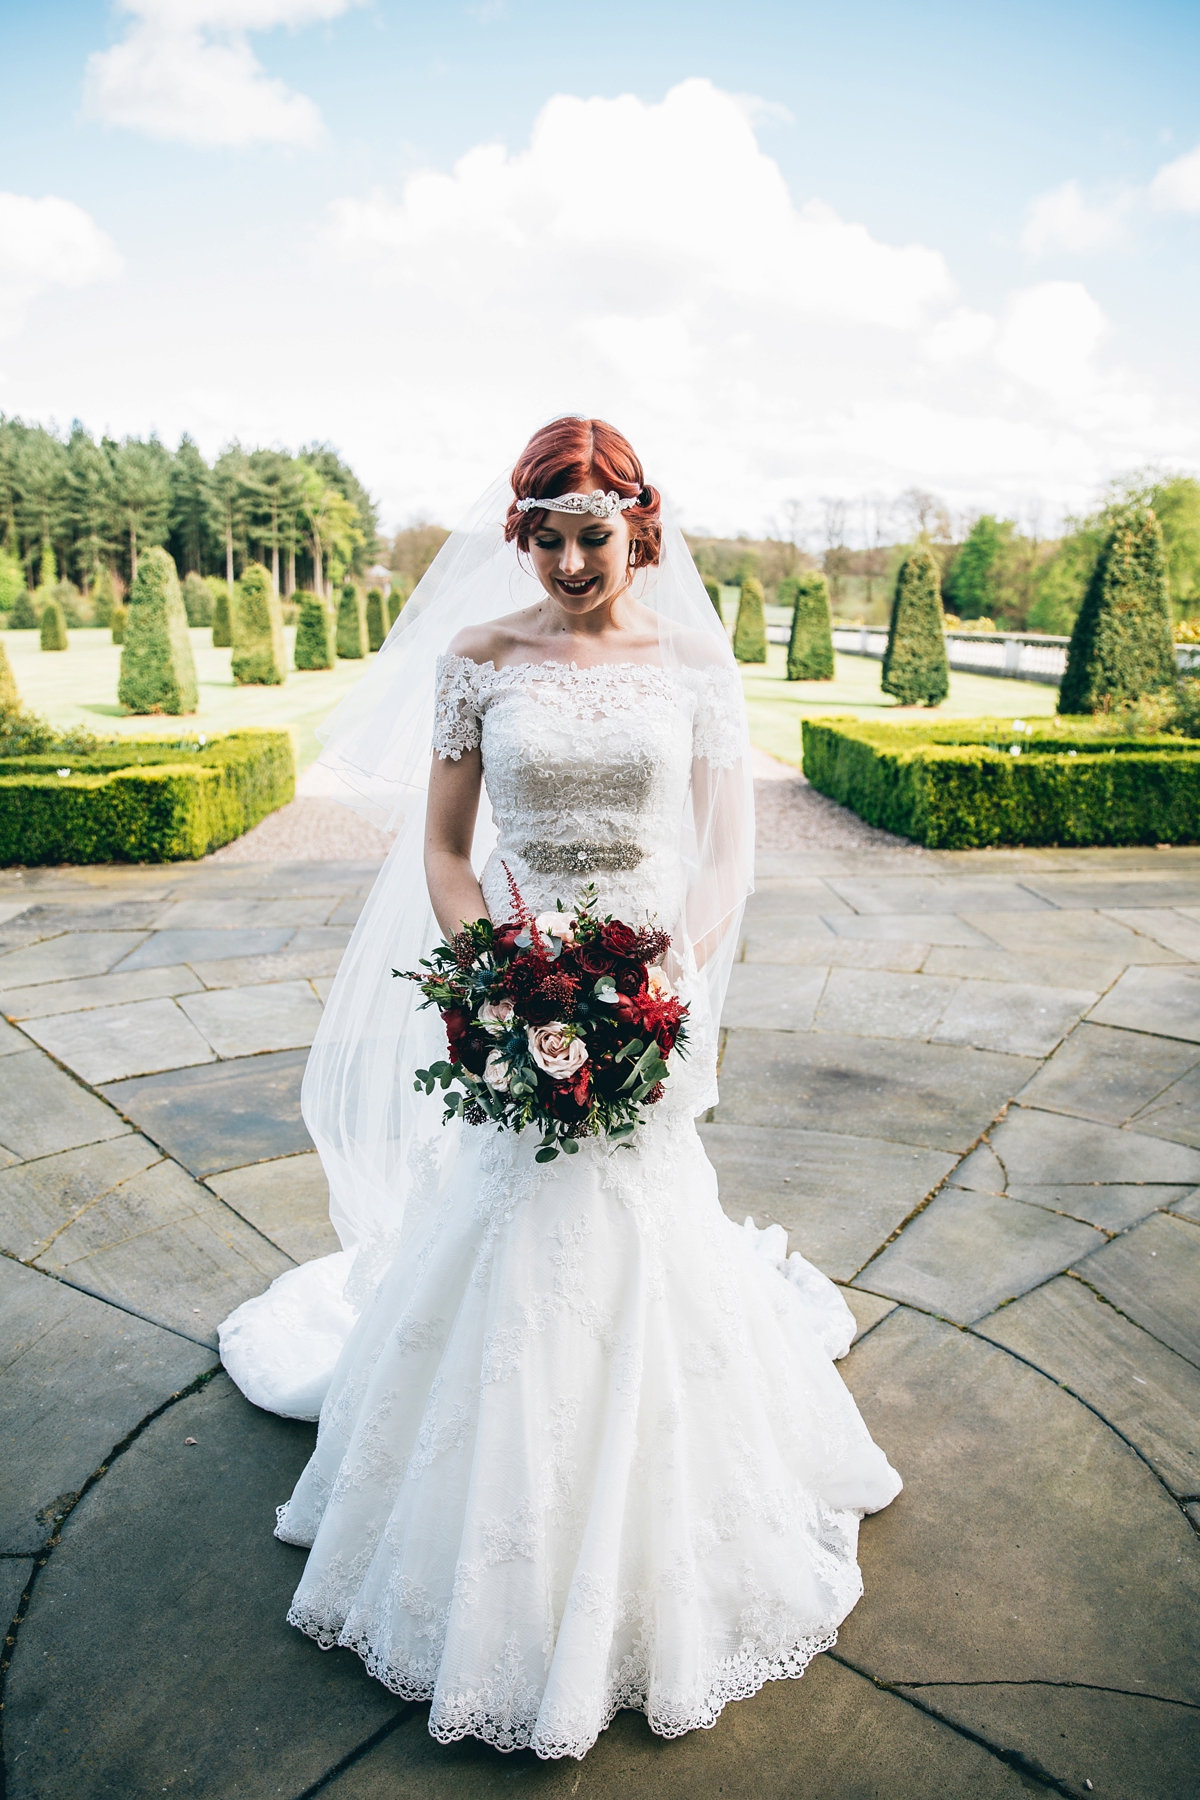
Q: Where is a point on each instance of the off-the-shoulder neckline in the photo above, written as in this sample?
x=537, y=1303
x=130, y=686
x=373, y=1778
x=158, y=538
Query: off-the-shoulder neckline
x=552, y=662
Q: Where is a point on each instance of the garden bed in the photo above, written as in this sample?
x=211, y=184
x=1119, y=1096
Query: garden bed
x=965, y=784
x=143, y=799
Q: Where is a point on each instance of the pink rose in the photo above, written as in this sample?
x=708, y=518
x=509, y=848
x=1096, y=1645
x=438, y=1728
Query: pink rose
x=494, y=1015
x=557, y=1050
x=496, y=1072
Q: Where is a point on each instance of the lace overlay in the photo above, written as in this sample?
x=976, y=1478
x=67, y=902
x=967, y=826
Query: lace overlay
x=586, y=1448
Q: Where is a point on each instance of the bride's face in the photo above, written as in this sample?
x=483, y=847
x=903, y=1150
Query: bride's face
x=581, y=561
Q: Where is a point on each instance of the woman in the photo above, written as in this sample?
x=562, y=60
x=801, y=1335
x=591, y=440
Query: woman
x=584, y=1446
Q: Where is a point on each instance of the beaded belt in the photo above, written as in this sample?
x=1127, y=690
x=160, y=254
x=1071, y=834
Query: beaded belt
x=545, y=858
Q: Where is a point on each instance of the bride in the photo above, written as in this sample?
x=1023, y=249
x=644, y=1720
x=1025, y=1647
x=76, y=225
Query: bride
x=582, y=1445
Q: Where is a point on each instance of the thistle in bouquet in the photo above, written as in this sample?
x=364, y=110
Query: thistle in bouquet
x=564, y=1022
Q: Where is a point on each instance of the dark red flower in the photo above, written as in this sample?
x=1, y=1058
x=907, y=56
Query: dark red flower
x=619, y=938
x=456, y=1022
x=630, y=978
x=594, y=960
x=661, y=1018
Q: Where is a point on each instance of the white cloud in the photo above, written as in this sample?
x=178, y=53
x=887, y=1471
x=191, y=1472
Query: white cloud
x=1063, y=220
x=185, y=71
x=45, y=244
x=1176, y=187
x=1050, y=336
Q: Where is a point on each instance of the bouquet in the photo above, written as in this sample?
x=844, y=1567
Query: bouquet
x=563, y=1021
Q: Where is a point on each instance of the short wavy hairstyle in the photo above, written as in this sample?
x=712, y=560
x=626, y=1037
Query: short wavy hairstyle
x=572, y=456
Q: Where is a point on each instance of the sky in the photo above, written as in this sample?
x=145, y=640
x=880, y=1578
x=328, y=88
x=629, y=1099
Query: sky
x=795, y=251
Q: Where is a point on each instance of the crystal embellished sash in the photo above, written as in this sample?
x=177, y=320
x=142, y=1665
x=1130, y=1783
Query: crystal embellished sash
x=546, y=858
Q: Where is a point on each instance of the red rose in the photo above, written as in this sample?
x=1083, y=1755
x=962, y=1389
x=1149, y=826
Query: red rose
x=630, y=978
x=594, y=960
x=456, y=1022
x=619, y=939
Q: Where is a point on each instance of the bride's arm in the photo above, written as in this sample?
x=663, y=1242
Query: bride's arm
x=456, y=895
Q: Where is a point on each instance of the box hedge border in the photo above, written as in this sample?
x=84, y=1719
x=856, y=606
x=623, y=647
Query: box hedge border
x=142, y=800
x=958, y=785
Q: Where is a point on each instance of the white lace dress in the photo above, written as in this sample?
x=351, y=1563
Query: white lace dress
x=587, y=1449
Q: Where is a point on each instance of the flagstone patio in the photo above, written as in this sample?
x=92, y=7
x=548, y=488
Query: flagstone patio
x=968, y=1085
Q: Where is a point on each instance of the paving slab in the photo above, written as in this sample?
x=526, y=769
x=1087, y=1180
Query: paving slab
x=838, y=1198
x=14, y=1578
x=193, y=914
x=1039, y=1148
x=43, y=1110
x=11, y=1041
x=1112, y=1206
x=166, y=947
x=1166, y=926
x=825, y=950
x=286, y=1200
x=1189, y=1206
x=1039, y=968
x=219, y=1116
x=1092, y=934
x=782, y=902
x=1029, y=1543
x=1102, y=1073
x=165, y=1246
x=968, y=1253
x=76, y=1377
x=762, y=996
x=1116, y=887
x=155, y=1652
x=243, y=1021
x=97, y=990
x=72, y=954
x=1012, y=1016
x=87, y=914
x=909, y=928
x=38, y=1199
x=936, y=894
x=1175, y=1114
x=831, y=1736
x=1153, y=1275
x=930, y=1096
x=1127, y=1745
x=1153, y=1000
x=1145, y=1391
x=108, y=1043
x=252, y=971
x=882, y=1004
x=868, y=1309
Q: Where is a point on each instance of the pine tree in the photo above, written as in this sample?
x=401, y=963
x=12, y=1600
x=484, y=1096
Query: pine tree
x=259, y=658
x=222, y=616
x=315, y=647
x=158, y=673
x=1121, y=647
x=351, y=624
x=197, y=600
x=914, y=664
x=377, y=620
x=750, y=632
x=810, y=648
x=714, y=594
x=53, y=627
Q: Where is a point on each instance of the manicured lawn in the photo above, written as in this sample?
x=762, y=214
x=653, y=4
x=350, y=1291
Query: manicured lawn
x=79, y=687
x=777, y=705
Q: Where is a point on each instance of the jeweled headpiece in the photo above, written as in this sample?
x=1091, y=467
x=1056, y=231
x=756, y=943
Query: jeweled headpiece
x=602, y=505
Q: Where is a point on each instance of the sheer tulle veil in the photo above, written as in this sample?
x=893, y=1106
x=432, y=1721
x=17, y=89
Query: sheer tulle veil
x=375, y=1135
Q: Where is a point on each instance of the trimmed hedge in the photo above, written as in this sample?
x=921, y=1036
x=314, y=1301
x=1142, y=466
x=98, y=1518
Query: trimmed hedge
x=222, y=615
x=1121, y=645
x=750, y=632
x=714, y=594
x=197, y=599
x=377, y=619
x=142, y=800
x=118, y=621
x=53, y=627
x=259, y=658
x=158, y=672
x=351, y=624
x=958, y=785
x=914, y=664
x=810, y=647
x=314, y=647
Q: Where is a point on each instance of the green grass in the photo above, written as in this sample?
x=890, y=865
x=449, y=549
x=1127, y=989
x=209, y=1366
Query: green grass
x=776, y=705
x=80, y=688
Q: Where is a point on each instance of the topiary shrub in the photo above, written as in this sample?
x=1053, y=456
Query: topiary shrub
x=197, y=599
x=915, y=669
x=24, y=614
x=750, y=632
x=259, y=658
x=810, y=647
x=118, y=621
x=714, y=594
x=351, y=624
x=105, y=596
x=377, y=620
x=315, y=647
x=53, y=627
x=158, y=673
x=12, y=581
x=222, y=616
x=395, y=600
x=1121, y=646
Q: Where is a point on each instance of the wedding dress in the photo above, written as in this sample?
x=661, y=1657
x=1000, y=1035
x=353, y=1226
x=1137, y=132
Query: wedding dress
x=584, y=1446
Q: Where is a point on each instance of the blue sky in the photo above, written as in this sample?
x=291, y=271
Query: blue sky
x=827, y=265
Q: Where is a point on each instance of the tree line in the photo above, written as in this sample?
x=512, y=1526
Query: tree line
x=74, y=510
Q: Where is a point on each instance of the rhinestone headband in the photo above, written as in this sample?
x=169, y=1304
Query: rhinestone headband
x=601, y=505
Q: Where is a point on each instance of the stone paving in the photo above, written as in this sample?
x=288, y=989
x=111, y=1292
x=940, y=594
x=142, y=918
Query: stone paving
x=967, y=1085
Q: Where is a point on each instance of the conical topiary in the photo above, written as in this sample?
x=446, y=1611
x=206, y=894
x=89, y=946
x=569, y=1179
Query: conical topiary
x=104, y=597
x=750, y=632
x=395, y=600
x=10, y=699
x=351, y=624
x=222, y=615
x=714, y=594
x=377, y=620
x=259, y=658
x=53, y=627
x=24, y=615
x=314, y=634
x=1121, y=647
x=158, y=673
x=810, y=647
x=914, y=664
x=118, y=618
x=197, y=599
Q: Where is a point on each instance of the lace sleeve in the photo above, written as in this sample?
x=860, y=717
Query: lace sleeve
x=719, y=722
x=456, y=710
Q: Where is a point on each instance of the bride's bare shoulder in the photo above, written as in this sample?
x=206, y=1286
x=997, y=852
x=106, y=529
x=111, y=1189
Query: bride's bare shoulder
x=496, y=642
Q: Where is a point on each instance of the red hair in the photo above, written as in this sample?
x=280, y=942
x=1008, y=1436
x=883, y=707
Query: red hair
x=573, y=456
